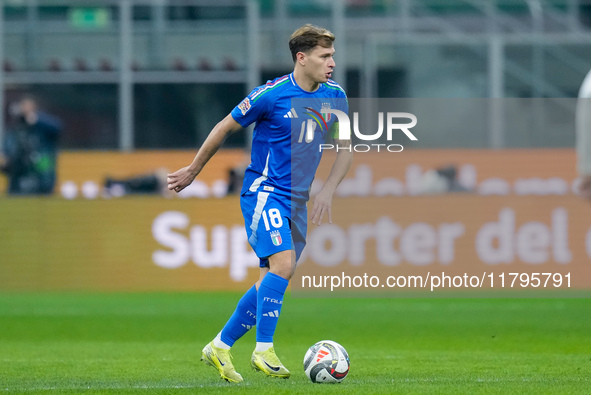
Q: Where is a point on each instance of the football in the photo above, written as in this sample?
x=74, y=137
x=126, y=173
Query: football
x=326, y=362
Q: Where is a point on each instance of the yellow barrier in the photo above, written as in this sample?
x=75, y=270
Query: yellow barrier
x=174, y=244
x=53, y=243
x=491, y=237
x=154, y=243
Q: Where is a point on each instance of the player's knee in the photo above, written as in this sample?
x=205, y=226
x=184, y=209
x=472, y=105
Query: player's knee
x=282, y=269
x=282, y=272
x=282, y=264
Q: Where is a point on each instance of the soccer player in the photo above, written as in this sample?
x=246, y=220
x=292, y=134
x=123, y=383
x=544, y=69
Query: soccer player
x=273, y=197
x=583, y=131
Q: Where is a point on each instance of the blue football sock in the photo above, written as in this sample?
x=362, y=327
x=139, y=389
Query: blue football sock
x=269, y=302
x=243, y=319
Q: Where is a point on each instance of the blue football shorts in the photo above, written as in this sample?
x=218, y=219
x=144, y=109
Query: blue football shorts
x=273, y=224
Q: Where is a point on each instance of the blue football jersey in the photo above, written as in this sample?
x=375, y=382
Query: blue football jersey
x=283, y=157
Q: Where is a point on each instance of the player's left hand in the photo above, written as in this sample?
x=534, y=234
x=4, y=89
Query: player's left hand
x=322, y=205
x=180, y=179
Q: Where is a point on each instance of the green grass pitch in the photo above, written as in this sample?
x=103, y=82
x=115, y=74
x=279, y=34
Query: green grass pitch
x=150, y=343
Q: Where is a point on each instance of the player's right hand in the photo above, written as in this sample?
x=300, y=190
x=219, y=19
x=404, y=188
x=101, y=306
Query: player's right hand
x=180, y=179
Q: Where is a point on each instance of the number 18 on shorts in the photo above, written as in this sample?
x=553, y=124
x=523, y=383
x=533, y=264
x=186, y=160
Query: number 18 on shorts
x=271, y=224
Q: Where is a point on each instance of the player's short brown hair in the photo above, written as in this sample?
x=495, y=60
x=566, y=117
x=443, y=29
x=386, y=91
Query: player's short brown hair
x=307, y=37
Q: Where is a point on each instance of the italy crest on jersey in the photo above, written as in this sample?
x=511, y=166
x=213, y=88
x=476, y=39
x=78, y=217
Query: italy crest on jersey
x=276, y=238
x=326, y=106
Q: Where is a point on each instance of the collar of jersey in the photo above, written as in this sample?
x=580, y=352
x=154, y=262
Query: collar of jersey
x=293, y=81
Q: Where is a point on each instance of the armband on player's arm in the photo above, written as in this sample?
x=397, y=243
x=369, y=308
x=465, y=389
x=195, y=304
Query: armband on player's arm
x=343, y=160
x=341, y=144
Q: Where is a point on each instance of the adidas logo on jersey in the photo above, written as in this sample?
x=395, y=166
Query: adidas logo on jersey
x=291, y=114
x=272, y=314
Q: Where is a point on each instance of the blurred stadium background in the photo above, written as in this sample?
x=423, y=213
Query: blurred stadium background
x=139, y=84
x=187, y=62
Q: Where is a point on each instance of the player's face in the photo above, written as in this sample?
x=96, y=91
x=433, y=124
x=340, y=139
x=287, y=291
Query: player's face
x=320, y=63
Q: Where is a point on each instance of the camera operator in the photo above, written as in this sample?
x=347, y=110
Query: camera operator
x=30, y=150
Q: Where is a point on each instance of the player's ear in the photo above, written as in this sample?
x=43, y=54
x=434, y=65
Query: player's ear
x=301, y=58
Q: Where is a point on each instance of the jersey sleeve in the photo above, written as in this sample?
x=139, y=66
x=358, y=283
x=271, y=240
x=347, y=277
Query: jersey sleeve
x=342, y=102
x=254, y=107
